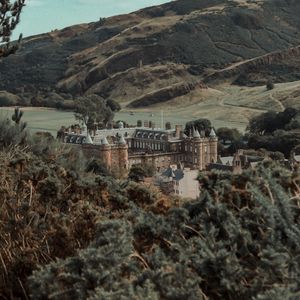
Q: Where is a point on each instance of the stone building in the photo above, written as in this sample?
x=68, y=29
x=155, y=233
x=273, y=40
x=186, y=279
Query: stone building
x=122, y=147
x=179, y=181
x=236, y=163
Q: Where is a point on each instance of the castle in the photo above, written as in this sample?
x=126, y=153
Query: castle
x=120, y=148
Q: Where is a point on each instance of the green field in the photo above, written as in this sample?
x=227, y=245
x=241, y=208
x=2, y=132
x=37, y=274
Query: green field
x=40, y=119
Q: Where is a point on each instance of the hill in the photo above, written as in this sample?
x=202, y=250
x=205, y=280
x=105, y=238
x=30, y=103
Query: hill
x=182, y=52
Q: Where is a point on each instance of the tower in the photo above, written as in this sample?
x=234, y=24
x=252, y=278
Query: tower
x=123, y=156
x=105, y=153
x=213, y=146
x=197, y=154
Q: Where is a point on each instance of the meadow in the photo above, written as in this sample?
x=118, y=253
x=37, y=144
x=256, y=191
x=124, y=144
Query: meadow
x=44, y=119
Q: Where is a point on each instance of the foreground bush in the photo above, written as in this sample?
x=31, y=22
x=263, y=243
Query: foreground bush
x=51, y=201
x=66, y=233
x=240, y=240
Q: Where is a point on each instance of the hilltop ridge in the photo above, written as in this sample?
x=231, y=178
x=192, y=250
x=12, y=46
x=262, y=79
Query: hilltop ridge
x=180, y=50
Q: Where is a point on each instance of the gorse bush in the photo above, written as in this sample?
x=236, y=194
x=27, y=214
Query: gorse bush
x=50, y=204
x=12, y=134
x=68, y=233
x=239, y=240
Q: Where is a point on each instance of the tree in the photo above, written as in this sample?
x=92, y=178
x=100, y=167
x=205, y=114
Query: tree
x=113, y=105
x=9, y=18
x=97, y=167
x=13, y=135
x=92, y=109
x=199, y=124
x=270, y=85
x=139, y=171
x=228, y=134
x=230, y=139
x=16, y=117
x=270, y=121
x=264, y=123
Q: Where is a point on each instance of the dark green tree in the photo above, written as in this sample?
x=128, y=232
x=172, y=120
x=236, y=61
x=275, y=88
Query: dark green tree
x=270, y=85
x=97, y=167
x=199, y=124
x=268, y=122
x=139, y=171
x=92, y=109
x=10, y=12
x=262, y=124
x=113, y=105
x=17, y=116
x=228, y=134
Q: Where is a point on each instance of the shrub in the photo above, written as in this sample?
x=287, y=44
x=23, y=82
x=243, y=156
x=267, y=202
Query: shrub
x=239, y=240
x=270, y=85
x=7, y=99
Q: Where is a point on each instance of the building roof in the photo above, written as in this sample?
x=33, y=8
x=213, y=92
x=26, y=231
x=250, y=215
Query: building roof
x=122, y=140
x=88, y=140
x=196, y=133
x=154, y=134
x=75, y=139
x=212, y=133
x=104, y=141
x=176, y=174
x=226, y=160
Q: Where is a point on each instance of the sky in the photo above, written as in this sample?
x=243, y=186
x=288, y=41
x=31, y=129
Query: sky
x=40, y=16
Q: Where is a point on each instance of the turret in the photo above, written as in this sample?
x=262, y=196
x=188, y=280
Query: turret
x=122, y=140
x=196, y=134
x=212, y=133
x=105, y=153
x=123, y=156
x=104, y=141
x=88, y=140
x=213, y=146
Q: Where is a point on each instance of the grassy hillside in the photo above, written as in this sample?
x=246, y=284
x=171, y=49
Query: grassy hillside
x=166, y=54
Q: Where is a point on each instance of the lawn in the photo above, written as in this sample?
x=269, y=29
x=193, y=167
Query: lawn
x=43, y=119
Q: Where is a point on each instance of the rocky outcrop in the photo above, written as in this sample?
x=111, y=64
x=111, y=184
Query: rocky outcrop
x=257, y=64
x=166, y=94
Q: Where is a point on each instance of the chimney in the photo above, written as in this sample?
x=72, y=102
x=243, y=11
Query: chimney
x=178, y=130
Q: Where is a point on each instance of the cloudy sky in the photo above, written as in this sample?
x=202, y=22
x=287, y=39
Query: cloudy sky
x=44, y=15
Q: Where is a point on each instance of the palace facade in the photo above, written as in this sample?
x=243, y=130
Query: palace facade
x=120, y=148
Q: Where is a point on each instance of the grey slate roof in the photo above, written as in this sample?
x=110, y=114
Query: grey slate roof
x=176, y=174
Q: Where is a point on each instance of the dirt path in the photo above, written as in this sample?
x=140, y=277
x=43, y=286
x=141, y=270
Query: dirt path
x=277, y=101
